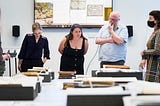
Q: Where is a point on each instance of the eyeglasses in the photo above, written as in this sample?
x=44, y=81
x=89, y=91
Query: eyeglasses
x=113, y=19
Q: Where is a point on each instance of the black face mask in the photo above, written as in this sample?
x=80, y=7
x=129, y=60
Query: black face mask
x=151, y=24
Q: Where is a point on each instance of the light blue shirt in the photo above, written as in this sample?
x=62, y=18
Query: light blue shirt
x=111, y=51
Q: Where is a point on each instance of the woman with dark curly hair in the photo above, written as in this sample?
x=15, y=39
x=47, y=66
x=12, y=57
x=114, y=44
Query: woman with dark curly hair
x=73, y=48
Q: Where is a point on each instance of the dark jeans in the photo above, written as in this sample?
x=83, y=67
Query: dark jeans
x=120, y=62
x=29, y=64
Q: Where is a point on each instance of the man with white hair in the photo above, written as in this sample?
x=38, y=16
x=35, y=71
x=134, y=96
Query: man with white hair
x=112, y=38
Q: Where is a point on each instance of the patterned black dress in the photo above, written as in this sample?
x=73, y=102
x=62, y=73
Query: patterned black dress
x=73, y=59
x=152, y=54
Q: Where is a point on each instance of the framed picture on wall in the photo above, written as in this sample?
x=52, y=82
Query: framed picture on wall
x=77, y=4
x=94, y=10
x=64, y=13
x=43, y=13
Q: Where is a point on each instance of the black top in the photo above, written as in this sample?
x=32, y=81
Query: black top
x=30, y=50
x=72, y=59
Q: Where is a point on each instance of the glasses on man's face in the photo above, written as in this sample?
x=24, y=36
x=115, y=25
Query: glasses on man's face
x=112, y=19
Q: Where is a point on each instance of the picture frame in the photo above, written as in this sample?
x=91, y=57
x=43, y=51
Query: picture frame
x=63, y=14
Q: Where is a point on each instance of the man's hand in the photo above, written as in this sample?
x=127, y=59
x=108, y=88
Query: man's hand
x=102, y=41
x=110, y=28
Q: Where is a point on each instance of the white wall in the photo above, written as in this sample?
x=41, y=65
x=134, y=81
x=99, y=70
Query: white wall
x=15, y=12
x=133, y=12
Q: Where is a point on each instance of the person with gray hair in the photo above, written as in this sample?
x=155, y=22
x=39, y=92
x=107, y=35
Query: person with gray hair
x=112, y=39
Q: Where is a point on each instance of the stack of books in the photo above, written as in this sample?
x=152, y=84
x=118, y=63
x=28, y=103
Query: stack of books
x=67, y=74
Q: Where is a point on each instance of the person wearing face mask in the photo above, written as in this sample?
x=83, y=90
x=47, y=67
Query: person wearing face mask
x=73, y=47
x=33, y=46
x=112, y=38
x=151, y=56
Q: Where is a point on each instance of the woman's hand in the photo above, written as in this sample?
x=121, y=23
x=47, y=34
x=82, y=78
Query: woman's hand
x=19, y=67
x=142, y=63
x=20, y=64
x=44, y=60
x=142, y=53
x=6, y=56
